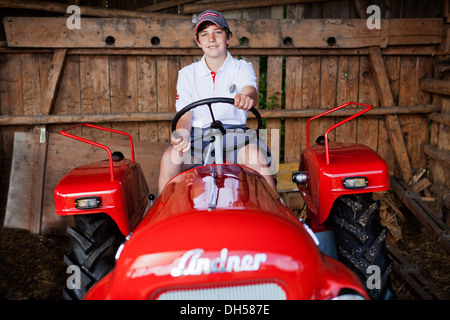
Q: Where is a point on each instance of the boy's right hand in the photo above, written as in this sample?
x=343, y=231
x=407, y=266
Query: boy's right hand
x=181, y=141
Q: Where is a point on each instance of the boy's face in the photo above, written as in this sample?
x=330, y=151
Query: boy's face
x=213, y=41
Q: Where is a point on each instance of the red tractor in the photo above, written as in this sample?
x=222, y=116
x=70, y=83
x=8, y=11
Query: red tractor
x=219, y=231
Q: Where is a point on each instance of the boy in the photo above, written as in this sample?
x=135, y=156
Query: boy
x=218, y=74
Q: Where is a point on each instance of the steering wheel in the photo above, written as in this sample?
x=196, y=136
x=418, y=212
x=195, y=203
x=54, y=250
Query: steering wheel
x=209, y=102
x=215, y=124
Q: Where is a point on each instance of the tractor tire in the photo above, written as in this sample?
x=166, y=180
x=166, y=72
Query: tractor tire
x=361, y=243
x=94, y=240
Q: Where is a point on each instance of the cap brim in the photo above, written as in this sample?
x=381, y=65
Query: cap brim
x=205, y=20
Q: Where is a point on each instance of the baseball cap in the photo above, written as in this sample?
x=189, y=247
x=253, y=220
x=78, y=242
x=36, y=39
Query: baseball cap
x=214, y=16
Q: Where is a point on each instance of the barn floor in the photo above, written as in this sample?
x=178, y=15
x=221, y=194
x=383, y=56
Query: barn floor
x=31, y=266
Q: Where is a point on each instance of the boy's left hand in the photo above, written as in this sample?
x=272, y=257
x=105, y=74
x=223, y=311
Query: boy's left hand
x=243, y=101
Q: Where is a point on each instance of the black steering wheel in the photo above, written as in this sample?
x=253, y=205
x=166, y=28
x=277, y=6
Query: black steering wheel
x=215, y=124
x=209, y=102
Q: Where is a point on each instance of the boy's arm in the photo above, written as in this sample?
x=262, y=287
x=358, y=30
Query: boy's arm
x=247, y=98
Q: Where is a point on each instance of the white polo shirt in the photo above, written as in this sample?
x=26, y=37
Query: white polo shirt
x=197, y=82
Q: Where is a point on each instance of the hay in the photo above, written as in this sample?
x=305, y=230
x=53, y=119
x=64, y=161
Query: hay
x=31, y=266
x=421, y=248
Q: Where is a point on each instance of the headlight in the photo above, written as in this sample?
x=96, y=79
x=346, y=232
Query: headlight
x=87, y=203
x=355, y=182
x=299, y=177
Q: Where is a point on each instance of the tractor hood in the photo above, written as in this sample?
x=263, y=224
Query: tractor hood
x=221, y=231
x=217, y=187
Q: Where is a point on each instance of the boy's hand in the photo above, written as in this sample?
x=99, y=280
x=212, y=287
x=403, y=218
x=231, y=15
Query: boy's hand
x=181, y=141
x=243, y=101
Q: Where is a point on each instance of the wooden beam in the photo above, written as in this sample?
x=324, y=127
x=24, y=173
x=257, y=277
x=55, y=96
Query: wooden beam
x=436, y=86
x=360, y=6
x=422, y=50
x=420, y=185
x=392, y=124
x=54, y=78
x=168, y=116
x=85, y=10
x=20, y=200
x=164, y=5
x=440, y=117
x=198, y=7
x=38, y=32
x=437, y=154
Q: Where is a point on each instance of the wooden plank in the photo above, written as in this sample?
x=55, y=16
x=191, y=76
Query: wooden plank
x=417, y=176
x=254, y=60
x=310, y=93
x=407, y=97
x=421, y=50
x=392, y=65
x=274, y=90
x=295, y=11
x=171, y=33
x=124, y=90
x=360, y=8
x=146, y=97
x=437, y=154
x=31, y=84
x=328, y=91
x=164, y=5
x=274, y=94
x=68, y=98
x=284, y=177
x=440, y=117
x=163, y=97
x=399, y=34
x=229, y=5
x=439, y=173
x=85, y=10
x=427, y=50
x=436, y=86
x=174, y=66
x=347, y=90
x=172, y=77
x=385, y=148
x=391, y=121
x=19, y=203
x=168, y=116
x=421, y=135
x=94, y=88
x=294, y=131
x=420, y=185
x=54, y=78
x=367, y=129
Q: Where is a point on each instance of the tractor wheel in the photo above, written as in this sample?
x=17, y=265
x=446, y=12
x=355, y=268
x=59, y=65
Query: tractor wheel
x=361, y=243
x=94, y=240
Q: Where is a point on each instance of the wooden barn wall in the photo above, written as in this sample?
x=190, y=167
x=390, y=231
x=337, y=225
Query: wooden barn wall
x=103, y=84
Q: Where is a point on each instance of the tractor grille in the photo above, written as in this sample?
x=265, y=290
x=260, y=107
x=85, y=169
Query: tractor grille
x=262, y=291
